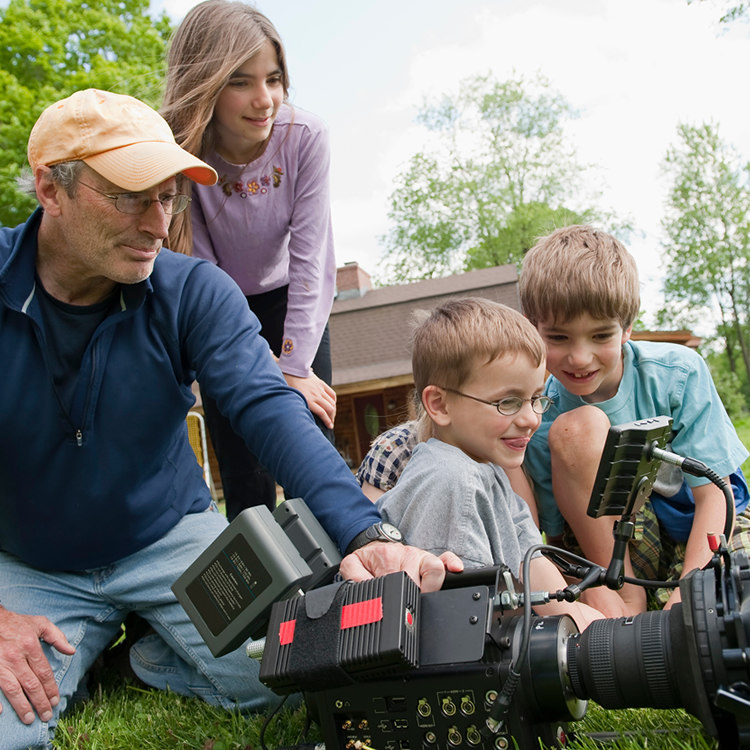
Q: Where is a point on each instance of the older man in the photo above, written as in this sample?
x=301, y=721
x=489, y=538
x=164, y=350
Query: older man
x=102, y=504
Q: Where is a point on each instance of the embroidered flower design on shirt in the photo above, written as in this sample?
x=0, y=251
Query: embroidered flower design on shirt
x=287, y=346
x=226, y=188
x=253, y=187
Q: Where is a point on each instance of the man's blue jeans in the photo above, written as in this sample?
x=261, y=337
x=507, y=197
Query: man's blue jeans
x=90, y=606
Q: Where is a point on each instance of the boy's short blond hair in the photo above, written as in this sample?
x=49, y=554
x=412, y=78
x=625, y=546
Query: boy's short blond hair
x=579, y=270
x=450, y=341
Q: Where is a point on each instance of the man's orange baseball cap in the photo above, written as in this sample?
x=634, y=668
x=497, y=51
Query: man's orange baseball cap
x=120, y=137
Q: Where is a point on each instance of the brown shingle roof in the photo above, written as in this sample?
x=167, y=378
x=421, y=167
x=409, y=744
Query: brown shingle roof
x=370, y=334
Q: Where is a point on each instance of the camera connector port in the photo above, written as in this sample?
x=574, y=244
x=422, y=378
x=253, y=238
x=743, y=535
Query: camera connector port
x=423, y=707
x=501, y=743
x=430, y=738
x=473, y=736
x=454, y=737
x=467, y=705
x=448, y=707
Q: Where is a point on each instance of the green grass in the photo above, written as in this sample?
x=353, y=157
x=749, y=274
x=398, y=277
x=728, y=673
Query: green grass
x=120, y=716
x=123, y=717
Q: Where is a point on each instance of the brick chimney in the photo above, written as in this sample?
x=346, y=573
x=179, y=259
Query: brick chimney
x=352, y=281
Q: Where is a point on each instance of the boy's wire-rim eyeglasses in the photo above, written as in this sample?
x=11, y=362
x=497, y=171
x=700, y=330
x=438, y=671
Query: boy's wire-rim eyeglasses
x=511, y=405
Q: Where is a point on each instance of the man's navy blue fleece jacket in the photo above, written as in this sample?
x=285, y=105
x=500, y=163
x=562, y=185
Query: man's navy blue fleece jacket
x=80, y=490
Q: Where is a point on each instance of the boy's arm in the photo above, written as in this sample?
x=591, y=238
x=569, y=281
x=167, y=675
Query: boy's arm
x=521, y=485
x=710, y=514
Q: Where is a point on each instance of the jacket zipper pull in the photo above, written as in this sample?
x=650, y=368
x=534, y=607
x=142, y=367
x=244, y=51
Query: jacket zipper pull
x=79, y=438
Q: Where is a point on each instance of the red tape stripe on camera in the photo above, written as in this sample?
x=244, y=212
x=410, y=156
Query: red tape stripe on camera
x=352, y=616
x=361, y=613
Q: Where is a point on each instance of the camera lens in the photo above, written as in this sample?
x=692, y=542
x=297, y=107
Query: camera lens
x=626, y=662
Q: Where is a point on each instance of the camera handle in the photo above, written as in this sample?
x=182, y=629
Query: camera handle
x=623, y=530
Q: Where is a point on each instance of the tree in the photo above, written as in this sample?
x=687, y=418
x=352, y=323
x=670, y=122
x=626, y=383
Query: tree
x=524, y=225
x=708, y=247
x=51, y=48
x=497, y=168
x=734, y=10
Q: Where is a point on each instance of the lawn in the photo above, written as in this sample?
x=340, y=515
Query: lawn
x=121, y=716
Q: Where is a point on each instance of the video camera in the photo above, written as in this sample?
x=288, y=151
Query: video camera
x=384, y=666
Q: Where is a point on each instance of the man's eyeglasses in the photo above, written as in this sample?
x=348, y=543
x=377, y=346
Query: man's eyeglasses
x=138, y=203
x=511, y=405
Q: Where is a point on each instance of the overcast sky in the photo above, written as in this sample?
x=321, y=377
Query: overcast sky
x=633, y=68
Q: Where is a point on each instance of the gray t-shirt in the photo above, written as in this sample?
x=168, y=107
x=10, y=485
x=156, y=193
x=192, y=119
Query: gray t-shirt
x=445, y=500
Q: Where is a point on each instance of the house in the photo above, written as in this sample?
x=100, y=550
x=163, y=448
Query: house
x=370, y=334
x=686, y=338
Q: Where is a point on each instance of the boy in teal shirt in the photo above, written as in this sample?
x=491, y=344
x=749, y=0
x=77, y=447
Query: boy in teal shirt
x=579, y=287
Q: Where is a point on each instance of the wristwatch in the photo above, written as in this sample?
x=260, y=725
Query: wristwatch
x=378, y=532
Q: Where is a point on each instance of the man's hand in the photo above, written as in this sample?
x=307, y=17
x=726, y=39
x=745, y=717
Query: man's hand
x=320, y=397
x=26, y=677
x=380, y=558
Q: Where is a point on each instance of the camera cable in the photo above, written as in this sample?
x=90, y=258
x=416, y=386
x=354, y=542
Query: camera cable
x=504, y=699
x=271, y=714
x=698, y=469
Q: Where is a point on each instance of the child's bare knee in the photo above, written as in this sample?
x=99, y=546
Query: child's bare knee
x=583, y=428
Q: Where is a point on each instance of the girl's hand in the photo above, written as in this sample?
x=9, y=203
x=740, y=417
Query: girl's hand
x=320, y=397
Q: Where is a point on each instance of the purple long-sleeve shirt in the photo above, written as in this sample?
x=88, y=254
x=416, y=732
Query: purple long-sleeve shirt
x=268, y=224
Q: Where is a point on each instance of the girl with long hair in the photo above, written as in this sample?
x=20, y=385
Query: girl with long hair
x=267, y=222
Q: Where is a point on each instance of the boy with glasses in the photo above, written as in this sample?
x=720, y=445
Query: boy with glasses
x=479, y=367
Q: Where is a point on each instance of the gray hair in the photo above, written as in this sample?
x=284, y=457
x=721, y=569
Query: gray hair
x=65, y=174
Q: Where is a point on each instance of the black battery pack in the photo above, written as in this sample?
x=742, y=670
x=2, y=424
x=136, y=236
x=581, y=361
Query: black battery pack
x=343, y=633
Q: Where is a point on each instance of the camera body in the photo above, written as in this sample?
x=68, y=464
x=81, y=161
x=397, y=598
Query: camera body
x=467, y=643
x=384, y=666
x=694, y=656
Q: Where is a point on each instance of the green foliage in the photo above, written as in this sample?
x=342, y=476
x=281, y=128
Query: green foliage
x=51, y=48
x=523, y=227
x=728, y=385
x=496, y=173
x=743, y=432
x=707, y=224
x=734, y=11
